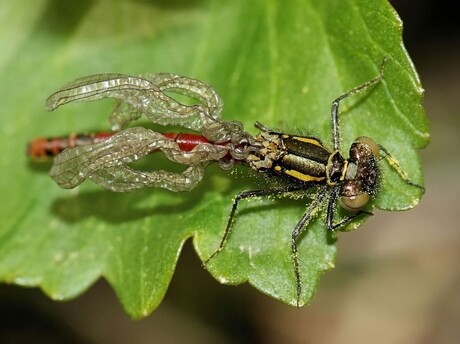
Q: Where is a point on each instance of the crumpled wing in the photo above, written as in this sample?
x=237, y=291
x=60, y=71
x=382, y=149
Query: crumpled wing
x=106, y=162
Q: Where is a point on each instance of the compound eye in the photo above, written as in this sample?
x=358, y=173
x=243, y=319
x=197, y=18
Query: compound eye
x=374, y=147
x=354, y=203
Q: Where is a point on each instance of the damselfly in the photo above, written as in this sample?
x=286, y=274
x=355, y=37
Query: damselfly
x=301, y=163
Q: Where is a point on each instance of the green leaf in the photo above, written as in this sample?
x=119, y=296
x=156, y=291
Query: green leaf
x=279, y=62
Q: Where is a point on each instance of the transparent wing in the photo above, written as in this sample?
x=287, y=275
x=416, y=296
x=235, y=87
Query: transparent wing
x=146, y=95
x=123, y=114
x=123, y=178
x=95, y=87
x=208, y=122
x=143, y=96
x=105, y=162
x=190, y=87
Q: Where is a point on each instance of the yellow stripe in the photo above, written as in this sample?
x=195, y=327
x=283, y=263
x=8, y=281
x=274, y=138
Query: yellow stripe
x=344, y=171
x=308, y=140
x=303, y=177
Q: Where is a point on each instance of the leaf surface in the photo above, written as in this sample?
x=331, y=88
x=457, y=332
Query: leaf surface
x=280, y=63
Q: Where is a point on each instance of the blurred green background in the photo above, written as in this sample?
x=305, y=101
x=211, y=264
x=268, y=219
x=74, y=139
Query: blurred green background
x=394, y=282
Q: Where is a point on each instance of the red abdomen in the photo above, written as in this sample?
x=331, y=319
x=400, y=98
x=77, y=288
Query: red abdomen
x=48, y=147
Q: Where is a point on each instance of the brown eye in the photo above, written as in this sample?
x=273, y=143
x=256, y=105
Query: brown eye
x=371, y=144
x=354, y=203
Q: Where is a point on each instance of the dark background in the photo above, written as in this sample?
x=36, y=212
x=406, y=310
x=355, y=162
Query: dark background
x=395, y=282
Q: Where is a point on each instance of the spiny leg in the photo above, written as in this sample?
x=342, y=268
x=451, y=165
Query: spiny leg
x=394, y=164
x=357, y=89
x=251, y=194
x=299, y=229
